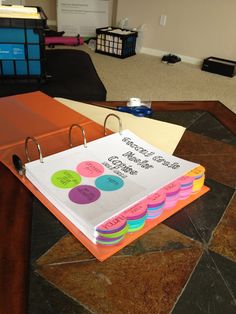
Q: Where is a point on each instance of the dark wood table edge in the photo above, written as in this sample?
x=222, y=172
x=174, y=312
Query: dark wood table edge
x=15, y=231
x=214, y=107
x=16, y=211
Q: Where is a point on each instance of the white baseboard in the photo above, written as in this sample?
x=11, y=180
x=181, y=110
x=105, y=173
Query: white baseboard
x=160, y=53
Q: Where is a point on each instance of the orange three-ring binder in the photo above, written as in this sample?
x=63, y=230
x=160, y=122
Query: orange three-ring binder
x=39, y=116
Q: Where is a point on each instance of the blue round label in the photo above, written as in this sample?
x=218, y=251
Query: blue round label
x=109, y=183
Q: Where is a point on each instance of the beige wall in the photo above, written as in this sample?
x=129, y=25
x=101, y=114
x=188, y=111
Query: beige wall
x=49, y=7
x=194, y=28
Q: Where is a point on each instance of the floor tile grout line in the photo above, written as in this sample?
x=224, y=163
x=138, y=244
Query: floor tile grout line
x=213, y=117
x=186, y=284
x=67, y=263
x=222, y=217
x=192, y=123
x=114, y=257
x=222, y=277
x=206, y=250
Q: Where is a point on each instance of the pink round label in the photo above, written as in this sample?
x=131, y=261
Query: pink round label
x=170, y=204
x=114, y=224
x=186, y=180
x=84, y=194
x=185, y=193
x=90, y=169
x=172, y=188
x=156, y=198
x=155, y=214
x=137, y=211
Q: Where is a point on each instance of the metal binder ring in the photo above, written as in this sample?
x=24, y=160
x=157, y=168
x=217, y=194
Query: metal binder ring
x=107, y=117
x=83, y=133
x=38, y=147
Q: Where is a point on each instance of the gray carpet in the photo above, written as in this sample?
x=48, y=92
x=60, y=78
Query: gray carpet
x=146, y=77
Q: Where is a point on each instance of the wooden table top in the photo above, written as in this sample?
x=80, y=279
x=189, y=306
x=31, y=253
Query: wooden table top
x=16, y=208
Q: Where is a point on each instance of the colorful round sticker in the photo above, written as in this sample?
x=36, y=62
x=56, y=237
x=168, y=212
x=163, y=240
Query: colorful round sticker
x=172, y=188
x=84, y=194
x=112, y=225
x=156, y=199
x=196, y=172
x=109, y=183
x=90, y=169
x=66, y=179
x=137, y=211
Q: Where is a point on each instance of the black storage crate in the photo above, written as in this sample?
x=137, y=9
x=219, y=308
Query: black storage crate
x=116, y=42
x=219, y=66
x=22, y=48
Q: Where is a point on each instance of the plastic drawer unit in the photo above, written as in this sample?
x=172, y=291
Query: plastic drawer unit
x=22, y=48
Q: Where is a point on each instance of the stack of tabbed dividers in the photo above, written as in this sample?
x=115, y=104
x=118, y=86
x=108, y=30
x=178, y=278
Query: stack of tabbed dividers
x=155, y=204
x=172, y=194
x=112, y=231
x=199, y=177
x=186, y=187
x=134, y=218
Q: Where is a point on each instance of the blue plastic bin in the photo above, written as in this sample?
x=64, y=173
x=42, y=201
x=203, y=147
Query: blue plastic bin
x=22, y=48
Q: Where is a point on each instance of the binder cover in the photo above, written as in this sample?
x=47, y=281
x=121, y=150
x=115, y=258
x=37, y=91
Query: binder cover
x=38, y=115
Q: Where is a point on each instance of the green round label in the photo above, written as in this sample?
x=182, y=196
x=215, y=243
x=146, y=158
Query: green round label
x=66, y=179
